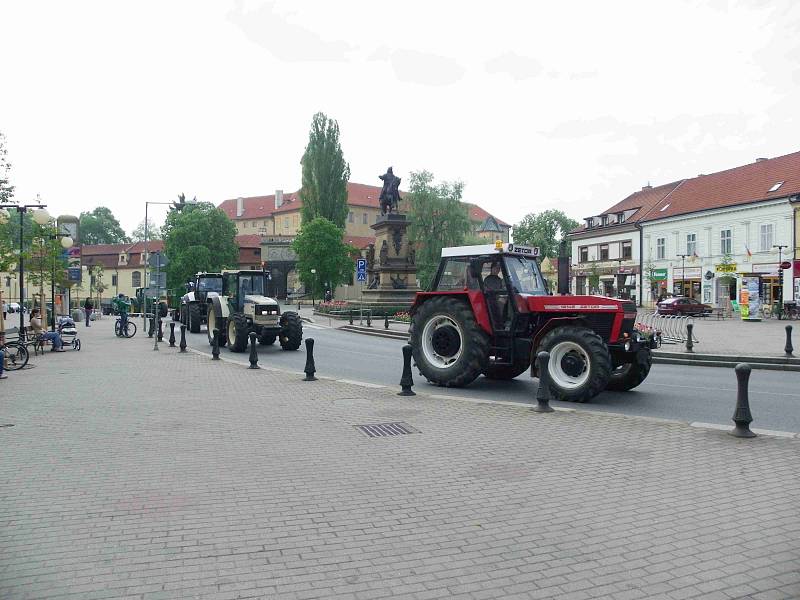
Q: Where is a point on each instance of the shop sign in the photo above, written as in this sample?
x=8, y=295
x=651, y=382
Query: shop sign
x=725, y=268
x=766, y=269
x=797, y=269
x=687, y=273
x=658, y=275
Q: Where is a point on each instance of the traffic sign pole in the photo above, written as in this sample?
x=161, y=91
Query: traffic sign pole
x=361, y=277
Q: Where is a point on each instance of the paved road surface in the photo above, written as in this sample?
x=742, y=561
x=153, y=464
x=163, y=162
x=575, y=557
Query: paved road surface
x=673, y=392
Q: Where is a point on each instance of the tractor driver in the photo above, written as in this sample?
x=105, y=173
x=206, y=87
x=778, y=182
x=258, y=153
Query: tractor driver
x=497, y=300
x=493, y=282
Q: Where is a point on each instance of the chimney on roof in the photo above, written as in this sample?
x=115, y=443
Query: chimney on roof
x=239, y=206
x=647, y=187
x=278, y=199
x=760, y=159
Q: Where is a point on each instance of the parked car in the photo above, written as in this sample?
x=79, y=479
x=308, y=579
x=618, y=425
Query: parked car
x=12, y=307
x=683, y=306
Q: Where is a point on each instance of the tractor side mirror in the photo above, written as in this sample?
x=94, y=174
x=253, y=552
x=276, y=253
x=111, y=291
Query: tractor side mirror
x=475, y=268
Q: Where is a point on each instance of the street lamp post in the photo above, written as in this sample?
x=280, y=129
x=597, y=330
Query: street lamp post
x=41, y=217
x=66, y=243
x=683, y=273
x=780, y=248
x=313, y=281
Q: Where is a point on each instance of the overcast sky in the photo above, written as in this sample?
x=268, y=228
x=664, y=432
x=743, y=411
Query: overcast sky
x=533, y=105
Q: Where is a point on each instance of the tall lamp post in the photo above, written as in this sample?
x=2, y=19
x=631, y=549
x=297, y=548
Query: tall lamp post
x=313, y=283
x=780, y=248
x=40, y=217
x=683, y=273
x=66, y=244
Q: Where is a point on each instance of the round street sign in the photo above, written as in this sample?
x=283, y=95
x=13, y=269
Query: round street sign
x=786, y=264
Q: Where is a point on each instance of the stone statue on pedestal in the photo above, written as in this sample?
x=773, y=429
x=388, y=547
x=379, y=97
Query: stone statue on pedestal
x=390, y=193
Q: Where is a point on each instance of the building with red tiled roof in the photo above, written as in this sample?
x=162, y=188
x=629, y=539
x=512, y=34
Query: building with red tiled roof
x=706, y=238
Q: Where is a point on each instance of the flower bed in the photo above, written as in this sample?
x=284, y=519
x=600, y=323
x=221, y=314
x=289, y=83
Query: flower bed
x=331, y=305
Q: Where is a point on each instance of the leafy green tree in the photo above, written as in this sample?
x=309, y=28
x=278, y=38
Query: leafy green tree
x=100, y=226
x=153, y=232
x=201, y=237
x=546, y=230
x=319, y=246
x=325, y=173
x=438, y=220
x=6, y=189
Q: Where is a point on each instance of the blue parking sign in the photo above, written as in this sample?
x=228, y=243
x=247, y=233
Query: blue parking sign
x=361, y=269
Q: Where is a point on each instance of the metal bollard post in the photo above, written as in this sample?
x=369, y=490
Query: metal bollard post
x=543, y=393
x=788, y=348
x=406, y=380
x=152, y=328
x=160, y=330
x=215, y=346
x=386, y=321
x=155, y=341
x=369, y=319
x=253, y=352
x=689, y=341
x=172, y=334
x=310, y=367
x=183, y=338
x=351, y=316
x=741, y=416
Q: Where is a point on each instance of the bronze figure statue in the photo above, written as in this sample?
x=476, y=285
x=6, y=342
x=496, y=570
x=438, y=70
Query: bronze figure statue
x=384, y=253
x=390, y=193
x=370, y=256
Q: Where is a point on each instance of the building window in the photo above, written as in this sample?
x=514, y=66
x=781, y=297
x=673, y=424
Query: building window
x=364, y=220
x=294, y=220
x=286, y=222
x=244, y=225
x=136, y=279
x=603, y=251
x=766, y=237
x=604, y=220
x=351, y=217
x=725, y=241
x=627, y=250
x=114, y=280
x=584, y=254
x=691, y=244
x=661, y=248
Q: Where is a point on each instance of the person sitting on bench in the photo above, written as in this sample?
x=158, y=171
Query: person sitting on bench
x=48, y=336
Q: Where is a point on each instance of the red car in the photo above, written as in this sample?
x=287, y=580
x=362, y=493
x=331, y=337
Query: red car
x=683, y=306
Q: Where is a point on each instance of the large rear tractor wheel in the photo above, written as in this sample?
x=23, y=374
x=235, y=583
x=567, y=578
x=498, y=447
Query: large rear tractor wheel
x=218, y=324
x=291, y=331
x=580, y=364
x=628, y=376
x=449, y=347
x=238, y=331
x=193, y=317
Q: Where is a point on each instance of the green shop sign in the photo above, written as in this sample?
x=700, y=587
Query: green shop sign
x=658, y=275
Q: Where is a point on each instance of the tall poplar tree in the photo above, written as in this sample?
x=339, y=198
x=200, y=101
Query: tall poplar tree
x=325, y=174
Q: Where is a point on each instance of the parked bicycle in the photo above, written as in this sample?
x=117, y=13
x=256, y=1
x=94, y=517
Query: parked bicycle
x=15, y=355
x=128, y=331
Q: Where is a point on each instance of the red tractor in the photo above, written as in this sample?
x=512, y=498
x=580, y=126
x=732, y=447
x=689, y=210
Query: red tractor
x=489, y=312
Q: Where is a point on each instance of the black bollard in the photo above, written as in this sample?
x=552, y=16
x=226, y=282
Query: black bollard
x=351, y=316
x=160, y=330
x=543, y=393
x=215, y=346
x=172, y=334
x=689, y=341
x=183, y=338
x=788, y=348
x=310, y=367
x=253, y=352
x=406, y=380
x=386, y=321
x=152, y=329
x=741, y=416
x=369, y=319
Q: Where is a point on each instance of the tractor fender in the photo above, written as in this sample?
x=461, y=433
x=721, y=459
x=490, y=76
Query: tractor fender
x=474, y=298
x=549, y=326
x=220, y=308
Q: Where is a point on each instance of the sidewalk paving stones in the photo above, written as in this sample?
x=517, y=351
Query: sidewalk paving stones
x=130, y=473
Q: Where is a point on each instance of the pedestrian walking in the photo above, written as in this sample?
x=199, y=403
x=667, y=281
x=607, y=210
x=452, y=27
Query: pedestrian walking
x=88, y=306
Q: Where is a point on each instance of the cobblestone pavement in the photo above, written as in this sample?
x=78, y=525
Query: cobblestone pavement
x=130, y=473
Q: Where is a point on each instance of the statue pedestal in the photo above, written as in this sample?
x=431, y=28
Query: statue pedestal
x=394, y=265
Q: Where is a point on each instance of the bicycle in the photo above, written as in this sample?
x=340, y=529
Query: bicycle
x=130, y=328
x=766, y=311
x=15, y=355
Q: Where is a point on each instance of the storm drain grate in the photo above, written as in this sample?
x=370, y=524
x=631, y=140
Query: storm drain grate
x=386, y=429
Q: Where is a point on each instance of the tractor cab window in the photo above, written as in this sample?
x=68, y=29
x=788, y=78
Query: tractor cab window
x=525, y=276
x=210, y=284
x=454, y=275
x=251, y=284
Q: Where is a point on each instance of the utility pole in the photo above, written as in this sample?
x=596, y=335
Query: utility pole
x=780, y=248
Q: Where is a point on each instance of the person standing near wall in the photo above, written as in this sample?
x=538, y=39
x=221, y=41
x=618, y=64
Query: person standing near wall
x=88, y=306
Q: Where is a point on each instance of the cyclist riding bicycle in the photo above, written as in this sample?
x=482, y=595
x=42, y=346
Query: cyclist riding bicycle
x=122, y=305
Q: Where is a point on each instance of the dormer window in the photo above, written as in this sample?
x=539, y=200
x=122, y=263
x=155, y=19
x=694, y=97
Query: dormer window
x=621, y=217
x=775, y=187
x=604, y=220
x=123, y=259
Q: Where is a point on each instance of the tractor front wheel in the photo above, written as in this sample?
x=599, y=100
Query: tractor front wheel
x=628, y=376
x=291, y=331
x=218, y=324
x=193, y=317
x=580, y=364
x=449, y=347
x=237, y=333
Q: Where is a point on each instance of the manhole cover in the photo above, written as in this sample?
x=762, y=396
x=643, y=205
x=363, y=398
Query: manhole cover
x=386, y=429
